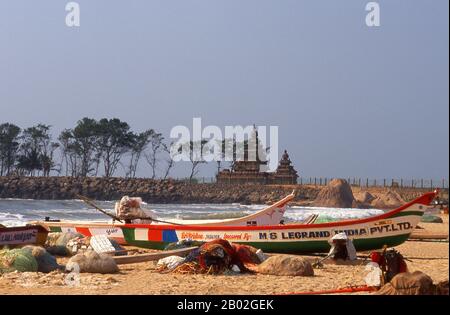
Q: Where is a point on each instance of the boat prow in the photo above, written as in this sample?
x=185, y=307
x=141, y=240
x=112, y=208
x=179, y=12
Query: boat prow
x=34, y=234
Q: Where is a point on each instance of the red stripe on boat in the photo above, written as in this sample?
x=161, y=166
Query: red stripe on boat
x=155, y=235
x=83, y=230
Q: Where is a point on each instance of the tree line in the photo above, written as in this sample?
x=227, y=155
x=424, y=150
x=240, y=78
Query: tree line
x=90, y=148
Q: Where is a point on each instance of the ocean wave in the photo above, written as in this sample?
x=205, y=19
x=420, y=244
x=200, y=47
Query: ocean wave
x=20, y=210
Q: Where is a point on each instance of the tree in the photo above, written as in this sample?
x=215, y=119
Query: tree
x=47, y=159
x=37, y=150
x=156, y=147
x=69, y=154
x=29, y=162
x=169, y=161
x=9, y=146
x=195, y=150
x=85, y=138
x=114, y=139
x=139, y=143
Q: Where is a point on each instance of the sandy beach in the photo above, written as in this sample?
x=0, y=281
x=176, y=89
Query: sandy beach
x=431, y=258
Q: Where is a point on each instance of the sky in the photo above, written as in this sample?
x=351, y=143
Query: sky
x=349, y=100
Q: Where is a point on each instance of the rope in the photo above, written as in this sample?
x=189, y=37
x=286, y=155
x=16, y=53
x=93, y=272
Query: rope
x=341, y=290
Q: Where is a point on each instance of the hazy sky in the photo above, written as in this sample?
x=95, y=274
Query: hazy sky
x=349, y=100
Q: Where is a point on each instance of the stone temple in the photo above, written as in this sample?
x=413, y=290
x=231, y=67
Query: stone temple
x=249, y=172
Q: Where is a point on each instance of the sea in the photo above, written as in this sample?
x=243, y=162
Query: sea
x=17, y=212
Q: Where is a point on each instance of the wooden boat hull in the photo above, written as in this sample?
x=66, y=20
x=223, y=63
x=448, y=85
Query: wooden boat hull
x=23, y=235
x=267, y=216
x=391, y=228
x=112, y=230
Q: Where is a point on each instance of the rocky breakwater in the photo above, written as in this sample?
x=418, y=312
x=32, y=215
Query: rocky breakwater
x=152, y=191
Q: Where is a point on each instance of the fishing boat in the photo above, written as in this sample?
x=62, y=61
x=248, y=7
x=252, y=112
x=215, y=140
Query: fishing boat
x=23, y=235
x=391, y=228
x=270, y=215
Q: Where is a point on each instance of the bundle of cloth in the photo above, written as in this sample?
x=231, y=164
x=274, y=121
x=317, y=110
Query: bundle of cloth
x=129, y=209
x=217, y=257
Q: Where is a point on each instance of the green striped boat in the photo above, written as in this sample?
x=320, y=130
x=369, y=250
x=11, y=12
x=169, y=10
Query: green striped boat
x=391, y=228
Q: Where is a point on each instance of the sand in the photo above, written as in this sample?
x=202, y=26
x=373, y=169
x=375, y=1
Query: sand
x=143, y=278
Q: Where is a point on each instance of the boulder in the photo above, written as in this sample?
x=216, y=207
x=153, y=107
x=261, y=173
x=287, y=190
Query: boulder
x=286, y=265
x=337, y=194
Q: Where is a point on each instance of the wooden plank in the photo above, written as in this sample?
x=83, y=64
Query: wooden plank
x=428, y=236
x=133, y=259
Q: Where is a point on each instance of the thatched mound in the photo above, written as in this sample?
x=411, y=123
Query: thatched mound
x=337, y=194
x=388, y=200
x=364, y=197
x=286, y=265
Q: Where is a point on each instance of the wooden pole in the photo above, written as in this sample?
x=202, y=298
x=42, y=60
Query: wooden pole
x=133, y=259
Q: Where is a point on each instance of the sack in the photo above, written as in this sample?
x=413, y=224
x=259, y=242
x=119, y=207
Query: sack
x=129, y=208
x=416, y=283
x=286, y=265
x=93, y=262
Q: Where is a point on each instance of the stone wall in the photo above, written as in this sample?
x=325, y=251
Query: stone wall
x=152, y=191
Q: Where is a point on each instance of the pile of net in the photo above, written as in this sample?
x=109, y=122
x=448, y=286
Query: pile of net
x=18, y=259
x=71, y=243
x=62, y=243
x=216, y=257
x=46, y=262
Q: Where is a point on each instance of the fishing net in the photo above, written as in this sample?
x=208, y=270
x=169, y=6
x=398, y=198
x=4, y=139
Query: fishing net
x=217, y=257
x=247, y=254
x=46, y=262
x=59, y=244
x=18, y=259
x=52, y=238
x=66, y=237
